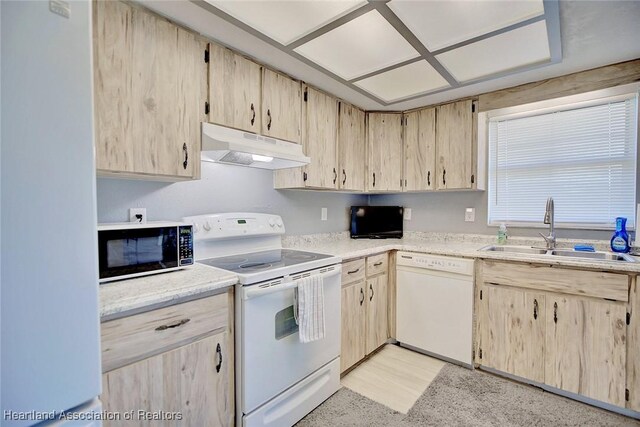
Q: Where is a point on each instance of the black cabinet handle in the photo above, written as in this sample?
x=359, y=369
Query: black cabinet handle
x=353, y=271
x=253, y=114
x=444, y=177
x=344, y=174
x=219, y=356
x=173, y=325
x=555, y=312
x=335, y=175
x=429, y=178
x=377, y=264
x=185, y=163
x=361, y=296
x=374, y=179
x=269, y=116
x=371, y=289
x=535, y=308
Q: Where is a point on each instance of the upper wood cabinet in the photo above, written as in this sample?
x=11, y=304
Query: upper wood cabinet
x=420, y=150
x=281, y=106
x=584, y=347
x=351, y=147
x=384, y=166
x=456, y=145
x=150, y=83
x=234, y=90
x=319, y=118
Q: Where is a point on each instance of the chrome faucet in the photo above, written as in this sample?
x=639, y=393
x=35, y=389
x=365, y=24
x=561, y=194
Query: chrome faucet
x=548, y=219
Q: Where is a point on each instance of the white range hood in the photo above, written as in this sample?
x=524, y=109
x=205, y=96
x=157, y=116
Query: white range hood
x=221, y=144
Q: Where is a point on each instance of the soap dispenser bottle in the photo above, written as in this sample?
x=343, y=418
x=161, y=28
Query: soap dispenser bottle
x=620, y=239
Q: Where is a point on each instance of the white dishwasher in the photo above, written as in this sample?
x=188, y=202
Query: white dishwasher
x=435, y=305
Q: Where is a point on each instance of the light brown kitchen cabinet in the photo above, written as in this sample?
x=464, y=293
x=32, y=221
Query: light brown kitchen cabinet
x=561, y=327
x=188, y=381
x=633, y=347
x=584, y=347
x=281, y=106
x=384, y=139
x=173, y=359
x=353, y=346
x=456, y=145
x=351, y=147
x=150, y=83
x=376, y=312
x=364, y=308
x=513, y=331
x=235, y=90
x=420, y=150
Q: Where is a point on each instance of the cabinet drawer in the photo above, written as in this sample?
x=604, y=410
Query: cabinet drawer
x=596, y=284
x=377, y=264
x=353, y=271
x=137, y=337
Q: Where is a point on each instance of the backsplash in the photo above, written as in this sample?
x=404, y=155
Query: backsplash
x=225, y=188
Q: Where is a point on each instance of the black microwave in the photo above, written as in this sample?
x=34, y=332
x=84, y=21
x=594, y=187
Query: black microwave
x=376, y=222
x=130, y=250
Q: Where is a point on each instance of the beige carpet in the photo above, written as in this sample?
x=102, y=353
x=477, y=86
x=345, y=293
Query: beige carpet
x=461, y=397
x=394, y=376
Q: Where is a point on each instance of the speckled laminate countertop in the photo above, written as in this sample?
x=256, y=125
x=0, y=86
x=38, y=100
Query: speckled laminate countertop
x=126, y=297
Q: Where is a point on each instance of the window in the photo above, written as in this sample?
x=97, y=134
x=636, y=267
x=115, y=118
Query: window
x=582, y=154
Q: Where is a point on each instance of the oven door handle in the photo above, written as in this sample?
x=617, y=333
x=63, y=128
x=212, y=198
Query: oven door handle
x=256, y=291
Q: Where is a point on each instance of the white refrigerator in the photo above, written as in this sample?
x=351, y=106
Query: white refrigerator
x=50, y=342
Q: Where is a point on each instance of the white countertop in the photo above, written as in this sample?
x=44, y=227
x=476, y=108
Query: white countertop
x=129, y=296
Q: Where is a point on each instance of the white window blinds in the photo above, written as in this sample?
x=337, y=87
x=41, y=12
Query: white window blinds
x=584, y=157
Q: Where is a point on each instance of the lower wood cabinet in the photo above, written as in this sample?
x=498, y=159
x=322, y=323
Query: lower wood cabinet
x=364, y=308
x=633, y=347
x=176, y=360
x=571, y=342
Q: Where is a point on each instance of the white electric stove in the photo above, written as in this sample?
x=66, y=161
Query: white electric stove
x=278, y=379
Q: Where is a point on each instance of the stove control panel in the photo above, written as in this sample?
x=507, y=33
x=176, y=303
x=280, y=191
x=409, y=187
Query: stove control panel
x=435, y=262
x=234, y=225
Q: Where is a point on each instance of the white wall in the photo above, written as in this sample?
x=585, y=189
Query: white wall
x=225, y=188
x=49, y=291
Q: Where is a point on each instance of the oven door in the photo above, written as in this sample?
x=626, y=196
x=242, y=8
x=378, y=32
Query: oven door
x=272, y=356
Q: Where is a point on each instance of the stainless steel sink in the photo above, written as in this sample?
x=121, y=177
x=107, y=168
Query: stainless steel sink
x=603, y=256
x=515, y=249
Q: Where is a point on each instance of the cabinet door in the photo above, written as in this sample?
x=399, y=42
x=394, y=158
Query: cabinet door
x=183, y=380
x=376, y=312
x=384, y=133
x=512, y=335
x=585, y=347
x=234, y=90
x=353, y=324
x=281, y=106
x=320, y=116
x=455, y=144
x=351, y=147
x=420, y=150
x=633, y=347
x=150, y=85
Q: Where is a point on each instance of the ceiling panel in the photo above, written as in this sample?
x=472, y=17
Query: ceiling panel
x=507, y=51
x=361, y=46
x=439, y=24
x=286, y=21
x=403, y=82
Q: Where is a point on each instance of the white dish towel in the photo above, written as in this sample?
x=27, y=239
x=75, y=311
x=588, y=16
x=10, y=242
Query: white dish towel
x=310, y=308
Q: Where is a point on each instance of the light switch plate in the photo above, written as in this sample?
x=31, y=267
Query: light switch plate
x=407, y=214
x=323, y=214
x=470, y=214
x=138, y=215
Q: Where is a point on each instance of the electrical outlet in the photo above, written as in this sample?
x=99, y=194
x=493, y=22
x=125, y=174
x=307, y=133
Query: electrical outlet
x=138, y=215
x=470, y=214
x=407, y=214
x=323, y=214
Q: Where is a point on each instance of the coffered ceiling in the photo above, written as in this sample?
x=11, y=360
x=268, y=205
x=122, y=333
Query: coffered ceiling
x=401, y=54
